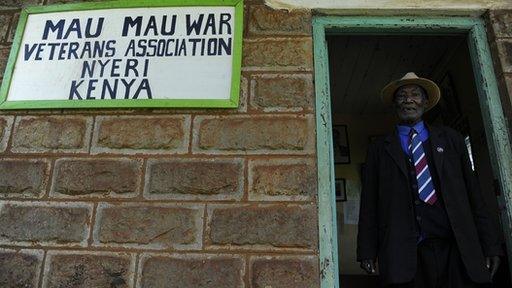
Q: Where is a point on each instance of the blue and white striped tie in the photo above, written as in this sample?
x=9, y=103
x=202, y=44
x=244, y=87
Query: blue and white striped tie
x=426, y=190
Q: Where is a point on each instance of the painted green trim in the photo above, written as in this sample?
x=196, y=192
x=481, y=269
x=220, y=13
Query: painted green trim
x=109, y=103
x=232, y=102
x=381, y=25
x=326, y=196
x=236, y=71
x=492, y=114
x=128, y=4
x=495, y=124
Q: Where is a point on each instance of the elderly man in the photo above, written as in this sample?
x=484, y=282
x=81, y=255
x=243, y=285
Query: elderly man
x=423, y=217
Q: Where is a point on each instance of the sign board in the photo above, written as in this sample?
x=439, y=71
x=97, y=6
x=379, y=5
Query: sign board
x=172, y=53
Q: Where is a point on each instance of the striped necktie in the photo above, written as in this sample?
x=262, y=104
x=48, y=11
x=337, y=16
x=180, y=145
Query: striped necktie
x=426, y=190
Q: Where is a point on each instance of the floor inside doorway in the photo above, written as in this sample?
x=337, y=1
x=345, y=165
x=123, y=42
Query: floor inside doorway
x=360, y=66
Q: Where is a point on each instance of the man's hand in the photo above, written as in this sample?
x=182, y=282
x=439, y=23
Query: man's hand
x=368, y=265
x=492, y=263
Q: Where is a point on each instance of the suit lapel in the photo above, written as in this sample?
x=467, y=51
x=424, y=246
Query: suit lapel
x=394, y=149
x=438, y=146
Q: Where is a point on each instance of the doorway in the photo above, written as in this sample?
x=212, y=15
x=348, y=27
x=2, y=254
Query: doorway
x=356, y=57
x=359, y=66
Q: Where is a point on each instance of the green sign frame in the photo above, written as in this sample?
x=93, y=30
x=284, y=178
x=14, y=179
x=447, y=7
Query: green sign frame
x=232, y=102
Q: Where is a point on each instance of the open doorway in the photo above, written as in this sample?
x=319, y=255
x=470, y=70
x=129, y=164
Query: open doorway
x=359, y=67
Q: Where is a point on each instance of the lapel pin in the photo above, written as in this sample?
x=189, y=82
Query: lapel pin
x=440, y=149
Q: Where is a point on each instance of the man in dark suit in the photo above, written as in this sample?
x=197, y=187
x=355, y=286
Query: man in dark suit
x=422, y=216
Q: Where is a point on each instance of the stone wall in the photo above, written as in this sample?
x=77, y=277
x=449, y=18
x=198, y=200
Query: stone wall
x=168, y=197
x=499, y=24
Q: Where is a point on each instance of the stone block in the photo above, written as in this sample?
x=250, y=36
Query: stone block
x=5, y=20
x=4, y=57
x=37, y=134
x=195, y=179
x=505, y=88
x=13, y=27
x=141, y=134
x=262, y=226
x=504, y=48
x=5, y=131
x=20, y=268
x=284, y=271
x=282, y=179
x=23, y=177
x=88, y=269
x=275, y=92
x=501, y=22
x=41, y=223
x=278, y=54
x=18, y=3
x=264, y=20
x=149, y=226
x=265, y=134
x=191, y=270
x=242, y=100
x=97, y=177
x=508, y=84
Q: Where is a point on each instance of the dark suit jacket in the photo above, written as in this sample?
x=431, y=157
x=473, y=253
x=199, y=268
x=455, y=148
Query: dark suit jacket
x=387, y=229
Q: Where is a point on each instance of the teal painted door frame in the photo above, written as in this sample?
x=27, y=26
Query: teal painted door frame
x=492, y=114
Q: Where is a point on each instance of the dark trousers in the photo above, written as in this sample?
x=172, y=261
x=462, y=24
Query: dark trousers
x=439, y=266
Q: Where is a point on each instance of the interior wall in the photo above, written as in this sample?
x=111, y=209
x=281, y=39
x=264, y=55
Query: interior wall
x=359, y=129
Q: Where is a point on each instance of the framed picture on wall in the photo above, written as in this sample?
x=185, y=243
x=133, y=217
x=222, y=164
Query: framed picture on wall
x=341, y=189
x=340, y=144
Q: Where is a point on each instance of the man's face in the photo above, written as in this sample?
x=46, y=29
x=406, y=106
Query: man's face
x=410, y=102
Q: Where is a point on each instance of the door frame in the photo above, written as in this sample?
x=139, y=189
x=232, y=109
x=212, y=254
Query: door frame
x=496, y=130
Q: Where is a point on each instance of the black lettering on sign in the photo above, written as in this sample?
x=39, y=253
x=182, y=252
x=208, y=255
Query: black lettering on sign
x=40, y=50
x=129, y=22
x=150, y=26
x=29, y=49
x=63, y=51
x=59, y=27
x=88, y=68
x=194, y=42
x=171, y=27
x=103, y=64
x=74, y=90
x=115, y=68
x=213, y=25
x=131, y=65
x=224, y=21
x=194, y=26
x=101, y=89
x=223, y=46
x=127, y=86
x=144, y=85
x=53, y=47
x=91, y=87
x=112, y=90
x=210, y=25
x=74, y=27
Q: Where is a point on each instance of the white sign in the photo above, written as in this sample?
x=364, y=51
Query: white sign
x=181, y=53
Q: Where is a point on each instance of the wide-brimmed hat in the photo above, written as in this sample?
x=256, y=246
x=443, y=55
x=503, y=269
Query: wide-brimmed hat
x=433, y=92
